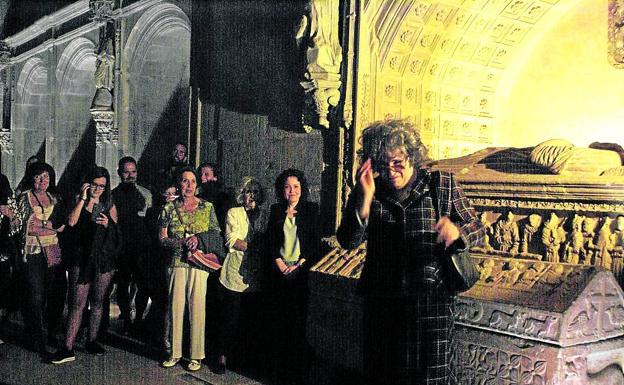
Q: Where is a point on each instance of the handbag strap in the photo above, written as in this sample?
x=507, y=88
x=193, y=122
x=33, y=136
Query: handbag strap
x=440, y=199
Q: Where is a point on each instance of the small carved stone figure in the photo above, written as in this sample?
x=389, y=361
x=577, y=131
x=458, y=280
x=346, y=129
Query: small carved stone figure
x=532, y=273
x=553, y=235
x=488, y=230
x=104, y=75
x=575, y=244
x=603, y=244
x=617, y=243
x=507, y=234
x=529, y=229
x=587, y=251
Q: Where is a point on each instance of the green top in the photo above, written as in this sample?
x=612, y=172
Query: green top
x=290, y=249
x=201, y=220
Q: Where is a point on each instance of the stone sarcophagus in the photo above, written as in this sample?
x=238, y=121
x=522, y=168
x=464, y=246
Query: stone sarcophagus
x=533, y=322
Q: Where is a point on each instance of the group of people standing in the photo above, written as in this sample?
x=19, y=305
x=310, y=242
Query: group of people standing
x=411, y=217
x=122, y=236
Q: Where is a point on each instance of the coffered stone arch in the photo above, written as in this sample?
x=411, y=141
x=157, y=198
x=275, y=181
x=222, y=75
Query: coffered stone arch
x=155, y=64
x=446, y=65
x=31, y=114
x=75, y=89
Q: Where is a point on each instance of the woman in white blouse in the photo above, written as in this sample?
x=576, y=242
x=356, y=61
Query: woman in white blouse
x=240, y=274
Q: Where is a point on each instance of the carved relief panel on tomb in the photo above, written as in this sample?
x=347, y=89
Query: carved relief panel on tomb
x=587, y=239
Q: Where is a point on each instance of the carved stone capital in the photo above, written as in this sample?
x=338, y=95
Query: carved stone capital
x=6, y=141
x=105, y=130
x=101, y=10
x=318, y=36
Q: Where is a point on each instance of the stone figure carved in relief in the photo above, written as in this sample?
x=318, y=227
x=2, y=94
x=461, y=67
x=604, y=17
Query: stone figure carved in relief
x=617, y=244
x=532, y=273
x=511, y=274
x=553, y=235
x=530, y=229
x=593, y=370
x=603, y=244
x=587, y=251
x=576, y=241
x=507, y=234
x=104, y=78
x=542, y=328
x=561, y=157
x=488, y=231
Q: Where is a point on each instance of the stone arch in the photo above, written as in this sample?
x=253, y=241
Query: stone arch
x=445, y=66
x=76, y=62
x=31, y=117
x=73, y=127
x=156, y=62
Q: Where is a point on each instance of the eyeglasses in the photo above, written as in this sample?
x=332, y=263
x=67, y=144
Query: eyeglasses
x=393, y=165
x=98, y=186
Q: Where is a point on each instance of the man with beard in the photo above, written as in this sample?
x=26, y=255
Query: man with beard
x=179, y=160
x=132, y=202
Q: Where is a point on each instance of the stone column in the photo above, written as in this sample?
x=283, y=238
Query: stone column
x=6, y=140
x=102, y=108
x=317, y=35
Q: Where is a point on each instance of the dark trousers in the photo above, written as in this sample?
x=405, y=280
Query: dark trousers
x=46, y=289
x=406, y=340
x=130, y=271
x=229, y=320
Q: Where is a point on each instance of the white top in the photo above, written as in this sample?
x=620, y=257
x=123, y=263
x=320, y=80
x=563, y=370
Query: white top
x=239, y=272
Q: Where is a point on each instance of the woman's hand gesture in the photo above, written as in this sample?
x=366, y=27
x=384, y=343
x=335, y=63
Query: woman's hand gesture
x=366, y=181
x=84, y=191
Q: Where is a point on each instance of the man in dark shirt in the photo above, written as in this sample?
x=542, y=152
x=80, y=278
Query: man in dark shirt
x=132, y=202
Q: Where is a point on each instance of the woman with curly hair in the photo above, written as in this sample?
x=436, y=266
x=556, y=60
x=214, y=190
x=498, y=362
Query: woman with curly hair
x=411, y=219
x=293, y=246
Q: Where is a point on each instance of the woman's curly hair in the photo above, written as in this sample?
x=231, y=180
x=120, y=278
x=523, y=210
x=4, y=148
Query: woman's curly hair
x=385, y=136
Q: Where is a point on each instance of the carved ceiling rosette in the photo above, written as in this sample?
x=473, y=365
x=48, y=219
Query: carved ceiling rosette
x=317, y=34
x=101, y=10
x=6, y=141
x=105, y=132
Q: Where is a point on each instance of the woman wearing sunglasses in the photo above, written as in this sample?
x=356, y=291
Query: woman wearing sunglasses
x=94, y=223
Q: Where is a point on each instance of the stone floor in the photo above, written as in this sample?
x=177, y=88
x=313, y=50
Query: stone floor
x=127, y=362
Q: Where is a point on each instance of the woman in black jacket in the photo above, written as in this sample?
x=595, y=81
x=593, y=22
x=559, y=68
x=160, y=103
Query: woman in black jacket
x=293, y=246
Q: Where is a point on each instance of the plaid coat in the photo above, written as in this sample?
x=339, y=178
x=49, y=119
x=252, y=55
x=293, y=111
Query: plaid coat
x=401, y=236
x=406, y=325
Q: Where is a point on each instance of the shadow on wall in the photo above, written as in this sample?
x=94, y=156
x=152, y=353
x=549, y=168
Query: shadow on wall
x=255, y=64
x=82, y=158
x=169, y=129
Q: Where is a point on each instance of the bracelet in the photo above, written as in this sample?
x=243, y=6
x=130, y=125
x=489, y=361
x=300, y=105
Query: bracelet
x=83, y=199
x=44, y=223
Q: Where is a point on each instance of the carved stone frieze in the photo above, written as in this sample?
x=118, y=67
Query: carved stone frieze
x=549, y=302
x=318, y=34
x=6, y=141
x=591, y=239
x=549, y=205
x=105, y=130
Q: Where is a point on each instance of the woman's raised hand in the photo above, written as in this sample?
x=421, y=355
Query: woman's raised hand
x=366, y=181
x=191, y=242
x=84, y=191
